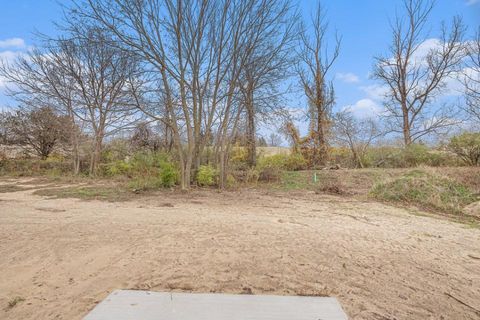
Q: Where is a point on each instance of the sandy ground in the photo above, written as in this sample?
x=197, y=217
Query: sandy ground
x=63, y=256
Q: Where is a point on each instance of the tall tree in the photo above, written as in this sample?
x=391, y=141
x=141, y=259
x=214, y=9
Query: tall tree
x=471, y=78
x=315, y=64
x=195, y=50
x=268, y=65
x=414, y=80
x=102, y=77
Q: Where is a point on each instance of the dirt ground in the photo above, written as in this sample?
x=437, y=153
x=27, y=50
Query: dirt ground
x=60, y=257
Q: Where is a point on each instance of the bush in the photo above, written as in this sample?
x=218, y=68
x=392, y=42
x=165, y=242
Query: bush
x=412, y=156
x=342, y=156
x=148, y=170
x=270, y=168
x=238, y=158
x=425, y=190
x=168, y=174
x=467, y=147
x=415, y=155
x=295, y=162
x=117, y=168
x=207, y=175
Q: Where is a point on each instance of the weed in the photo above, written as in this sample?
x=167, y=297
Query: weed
x=12, y=303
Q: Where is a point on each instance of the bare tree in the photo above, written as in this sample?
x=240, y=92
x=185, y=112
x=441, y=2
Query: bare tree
x=184, y=45
x=193, y=52
x=268, y=65
x=101, y=75
x=274, y=140
x=357, y=135
x=38, y=79
x=39, y=130
x=316, y=62
x=414, y=81
x=471, y=78
x=85, y=77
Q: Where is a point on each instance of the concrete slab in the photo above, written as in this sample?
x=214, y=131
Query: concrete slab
x=146, y=305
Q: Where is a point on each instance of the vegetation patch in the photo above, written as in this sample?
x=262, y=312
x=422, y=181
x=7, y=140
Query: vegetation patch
x=146, y=171
x=207, y=175
x=7, y=188
x=106, y=193
x=426, y=190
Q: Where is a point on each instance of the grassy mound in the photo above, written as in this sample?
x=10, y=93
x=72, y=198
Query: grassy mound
x=426, y=190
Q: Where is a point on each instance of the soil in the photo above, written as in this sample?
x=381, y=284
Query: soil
x=60, y=257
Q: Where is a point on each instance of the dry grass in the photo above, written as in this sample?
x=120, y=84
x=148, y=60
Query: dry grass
x=12, y=303
x=427, y=190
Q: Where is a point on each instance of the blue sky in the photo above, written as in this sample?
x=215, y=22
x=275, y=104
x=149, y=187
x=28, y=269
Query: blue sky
x=363, y=24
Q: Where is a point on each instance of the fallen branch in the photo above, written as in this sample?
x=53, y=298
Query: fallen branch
x=477, y=311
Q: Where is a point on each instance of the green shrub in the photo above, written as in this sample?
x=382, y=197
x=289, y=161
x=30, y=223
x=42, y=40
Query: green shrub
x=119, y=167
x=290, y=162
x=415, y=155
x=467, y=147
x=168, y=174
x=425, y=190
x=147, y=170
x=207, y=175
x=270, y=168
x=295, y=162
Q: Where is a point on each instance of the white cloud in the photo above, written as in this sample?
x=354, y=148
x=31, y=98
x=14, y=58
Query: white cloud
x=472, y=2
x=10, y=56
x=424, y=49
x=375, y=92
x=365, y=108
x=348, y=77
x=17, y=43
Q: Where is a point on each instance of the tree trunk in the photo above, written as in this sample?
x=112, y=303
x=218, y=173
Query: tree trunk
x=76, y=158
x=407, y=138
x=251, y=136
x=96, y=153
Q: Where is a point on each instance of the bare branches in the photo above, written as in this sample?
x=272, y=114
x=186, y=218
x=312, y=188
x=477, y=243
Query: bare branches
x=357, y=135
x=39, y=130
x=316, y=62
x=471, y=78
x=414, y=80
x=84, y=77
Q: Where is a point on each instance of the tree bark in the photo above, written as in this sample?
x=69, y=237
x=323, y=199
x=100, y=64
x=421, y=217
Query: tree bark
x=251, y=130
